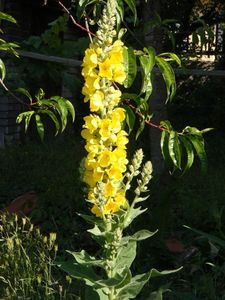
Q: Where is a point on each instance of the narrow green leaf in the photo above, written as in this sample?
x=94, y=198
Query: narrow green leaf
x=7, y=17
x=131, y=4
x=130, y=65
x=119, y=12
x=140, y=129
x=71, y=109
x=25, y=93
x=199, y=145
x=174, y=148
x=130, y=118
x=40, y=126
x=147, y=62
x=208, y=236
x=40, y=94
x=169, y=77
x=20, y=117
x=165, y=149
x=61, y=107
x=189, y=153
x=27, y=119
x=2, y=69
x=172, y=56
x=53, y=117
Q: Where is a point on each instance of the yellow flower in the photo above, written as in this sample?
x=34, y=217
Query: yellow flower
x=111, y=207
x=114, y=173
x=90, y=58
x=85, y=133
x=92, y=83
x=88, y=178
x=88, y=70
x=91, y=123
x=121, y=139
x=109, y=189
x=96, y=101
x=116, y=57
x=105, y=128
x=96, y=211
x=98, y=174
x=120, y=199
x=114, y=96
x=105, y=158
x=118, y=116
x=119, y=74
x=105, y=69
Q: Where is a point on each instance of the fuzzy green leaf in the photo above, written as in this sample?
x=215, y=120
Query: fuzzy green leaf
x=130, y=65
x=84, y=258
x=78, y=271
x=132, y=214
x=142, y=235
x=126, y=255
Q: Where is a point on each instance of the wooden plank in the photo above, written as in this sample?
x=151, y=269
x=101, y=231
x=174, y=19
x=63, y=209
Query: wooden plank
x=50, y=58
x=69, y=62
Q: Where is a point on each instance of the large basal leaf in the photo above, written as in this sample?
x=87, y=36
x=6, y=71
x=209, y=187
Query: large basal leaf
x=126, y=256
x=78, y=271
x=84, y=258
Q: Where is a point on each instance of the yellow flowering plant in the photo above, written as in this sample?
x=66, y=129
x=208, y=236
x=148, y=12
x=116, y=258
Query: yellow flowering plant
x=108, y=175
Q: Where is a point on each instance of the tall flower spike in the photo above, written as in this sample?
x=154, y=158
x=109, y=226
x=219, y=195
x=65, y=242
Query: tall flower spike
x=103, y=131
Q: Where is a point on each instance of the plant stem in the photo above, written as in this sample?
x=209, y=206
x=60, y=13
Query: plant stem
x=73, y=20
